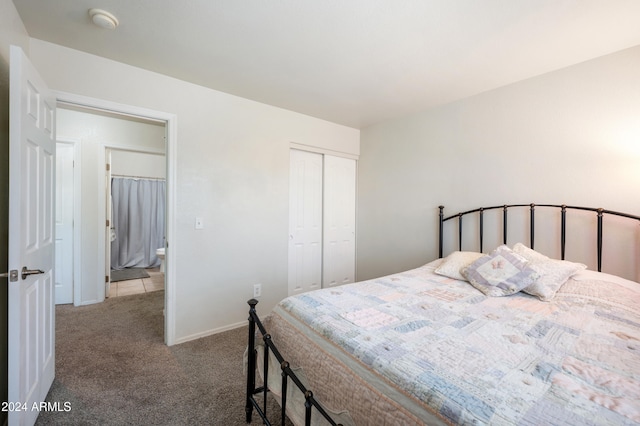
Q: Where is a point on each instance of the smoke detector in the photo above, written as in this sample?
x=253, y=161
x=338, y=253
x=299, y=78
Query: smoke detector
x=103, y=19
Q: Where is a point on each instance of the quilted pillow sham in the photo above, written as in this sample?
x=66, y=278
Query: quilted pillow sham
x=553, y=273
x=500, y=273
x=452, y=264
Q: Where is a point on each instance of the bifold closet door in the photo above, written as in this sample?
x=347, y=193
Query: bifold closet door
x=305, y=221
x=322, y=215
x=339, y=221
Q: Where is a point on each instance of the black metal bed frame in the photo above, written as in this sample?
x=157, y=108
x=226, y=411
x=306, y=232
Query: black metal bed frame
x=532, y=209
x=288, y=374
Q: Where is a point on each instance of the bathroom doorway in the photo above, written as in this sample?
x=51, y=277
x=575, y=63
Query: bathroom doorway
x=138, y=130
x=136, y=211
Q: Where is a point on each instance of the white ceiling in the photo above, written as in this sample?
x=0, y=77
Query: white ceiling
x=354, y=62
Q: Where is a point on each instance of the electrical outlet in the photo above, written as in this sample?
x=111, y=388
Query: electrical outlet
x=257, y=290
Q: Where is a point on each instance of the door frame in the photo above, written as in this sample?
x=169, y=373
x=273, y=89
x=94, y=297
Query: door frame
x=171, y=131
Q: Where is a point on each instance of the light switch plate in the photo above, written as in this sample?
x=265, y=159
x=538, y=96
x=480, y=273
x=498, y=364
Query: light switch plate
x=199, y=223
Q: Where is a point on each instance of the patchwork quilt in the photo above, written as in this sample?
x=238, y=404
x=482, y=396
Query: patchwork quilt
x=438, y=349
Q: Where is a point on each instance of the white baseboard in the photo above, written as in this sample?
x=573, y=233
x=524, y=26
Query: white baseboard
x=210, y=332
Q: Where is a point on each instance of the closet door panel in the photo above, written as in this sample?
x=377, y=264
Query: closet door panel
x=305, y=221
x=339, y=221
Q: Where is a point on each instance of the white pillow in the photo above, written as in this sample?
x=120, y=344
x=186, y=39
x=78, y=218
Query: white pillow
x=451, y=265
x=553, y=273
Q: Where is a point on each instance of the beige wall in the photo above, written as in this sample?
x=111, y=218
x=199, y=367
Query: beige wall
x=138, y=164
x=570, y=136
x=232, y=170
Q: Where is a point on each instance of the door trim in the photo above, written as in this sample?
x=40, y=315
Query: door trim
x=319, y=150
x=171, y=130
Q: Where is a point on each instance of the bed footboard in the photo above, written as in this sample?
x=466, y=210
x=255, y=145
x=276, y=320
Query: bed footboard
x=287, y=376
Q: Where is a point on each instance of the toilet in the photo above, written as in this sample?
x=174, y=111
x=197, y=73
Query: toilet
x=160, y=254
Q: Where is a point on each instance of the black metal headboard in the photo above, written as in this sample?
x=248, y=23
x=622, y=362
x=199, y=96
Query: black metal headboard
x=532, y=209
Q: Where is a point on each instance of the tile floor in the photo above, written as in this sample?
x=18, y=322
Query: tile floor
x=143, y=285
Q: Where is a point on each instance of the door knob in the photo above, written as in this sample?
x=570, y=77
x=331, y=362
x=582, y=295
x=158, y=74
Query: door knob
x=26, y=272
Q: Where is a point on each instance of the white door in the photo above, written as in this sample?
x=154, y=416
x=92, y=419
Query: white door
x=339, y=255
x=305, y=221
x=31, y=238
x=64, y=223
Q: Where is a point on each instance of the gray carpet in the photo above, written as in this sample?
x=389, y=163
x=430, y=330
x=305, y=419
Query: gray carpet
x=114, y=369
x=127, y=274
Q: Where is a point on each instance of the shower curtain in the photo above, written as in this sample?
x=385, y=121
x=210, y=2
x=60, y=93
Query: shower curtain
x=138, y=207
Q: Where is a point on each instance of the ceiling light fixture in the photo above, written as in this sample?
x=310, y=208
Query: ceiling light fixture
x=103, y=19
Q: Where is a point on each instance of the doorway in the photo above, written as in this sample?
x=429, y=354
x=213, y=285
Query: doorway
x=136, y=211
x=138, y=130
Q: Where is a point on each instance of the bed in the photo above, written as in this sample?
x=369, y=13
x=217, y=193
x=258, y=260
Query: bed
x=509, y=336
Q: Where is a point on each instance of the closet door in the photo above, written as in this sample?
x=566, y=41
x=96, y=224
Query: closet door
x=339, y=221
x=305, y=221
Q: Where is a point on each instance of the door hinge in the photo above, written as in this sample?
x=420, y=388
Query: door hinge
x=106, y=278
x=108, y=166
x=107, y=223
